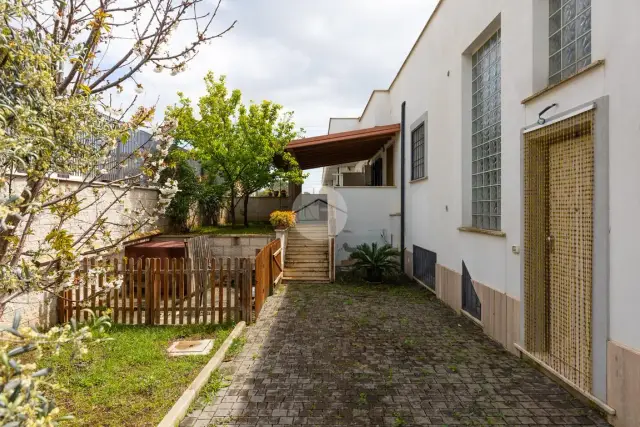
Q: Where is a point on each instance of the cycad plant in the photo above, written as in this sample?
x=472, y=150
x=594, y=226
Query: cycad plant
x=376, y=261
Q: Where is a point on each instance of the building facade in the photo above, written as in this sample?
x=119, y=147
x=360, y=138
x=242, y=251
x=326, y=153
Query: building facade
x=511, y=184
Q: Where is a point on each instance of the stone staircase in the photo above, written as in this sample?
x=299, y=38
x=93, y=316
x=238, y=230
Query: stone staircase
x=307, y=254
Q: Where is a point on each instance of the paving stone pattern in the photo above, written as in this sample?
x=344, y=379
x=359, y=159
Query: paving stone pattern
x=338, y=355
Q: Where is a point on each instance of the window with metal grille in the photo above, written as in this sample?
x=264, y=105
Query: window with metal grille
x=486, y=135
x=417, y=152
x=470, y=301
x=569, y=38
x=424, y=266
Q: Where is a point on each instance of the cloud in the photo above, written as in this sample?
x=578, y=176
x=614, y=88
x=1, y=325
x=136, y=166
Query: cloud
x=320, y=59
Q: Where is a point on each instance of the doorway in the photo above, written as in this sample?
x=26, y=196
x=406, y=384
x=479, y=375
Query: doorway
x=558, y=243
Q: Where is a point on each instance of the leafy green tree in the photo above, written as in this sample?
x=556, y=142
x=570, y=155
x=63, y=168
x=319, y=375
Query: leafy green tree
x=179, y=211
x=267, y=131
x=244, y=147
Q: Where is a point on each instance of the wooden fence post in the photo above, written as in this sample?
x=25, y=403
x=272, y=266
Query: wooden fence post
x=148, y=292
x=270, y=269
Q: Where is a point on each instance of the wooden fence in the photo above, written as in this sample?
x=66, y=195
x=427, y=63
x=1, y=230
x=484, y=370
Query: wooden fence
x=162, y=291
x=269, y=272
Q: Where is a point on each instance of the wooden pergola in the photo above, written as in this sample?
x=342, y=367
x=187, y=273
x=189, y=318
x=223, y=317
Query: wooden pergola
x=340, y=148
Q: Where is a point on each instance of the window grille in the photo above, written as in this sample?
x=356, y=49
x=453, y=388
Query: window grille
x=417, y=152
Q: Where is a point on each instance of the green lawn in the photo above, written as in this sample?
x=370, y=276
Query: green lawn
x=130, y=381
x=254, y=228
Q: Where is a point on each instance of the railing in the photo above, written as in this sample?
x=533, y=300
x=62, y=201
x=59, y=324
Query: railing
x=269, y=272
x=164, y=291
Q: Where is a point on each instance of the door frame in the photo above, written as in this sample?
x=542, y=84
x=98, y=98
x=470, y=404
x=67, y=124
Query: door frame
x=600, y=260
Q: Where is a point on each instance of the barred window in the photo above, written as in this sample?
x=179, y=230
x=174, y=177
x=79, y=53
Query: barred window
x=569, y=38
x=417, y=152
x=486, y=135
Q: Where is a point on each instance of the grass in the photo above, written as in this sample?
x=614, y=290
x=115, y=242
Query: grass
x=130, y=381
x=218, y=380
x=254, y=228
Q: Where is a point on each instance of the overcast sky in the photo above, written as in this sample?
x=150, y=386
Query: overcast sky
x=320, y=59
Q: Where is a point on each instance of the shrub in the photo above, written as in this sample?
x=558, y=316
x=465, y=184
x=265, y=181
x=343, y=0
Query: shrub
x=375, y=261
x=283, y=219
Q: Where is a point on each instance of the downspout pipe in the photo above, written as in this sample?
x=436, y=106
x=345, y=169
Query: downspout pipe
x=403, y=131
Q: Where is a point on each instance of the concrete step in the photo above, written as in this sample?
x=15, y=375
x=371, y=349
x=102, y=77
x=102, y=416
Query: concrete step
x=306, y=263
x=306, y=258
x=306, y=280
x=298, y=242
x=307, y=250
x=307, y=272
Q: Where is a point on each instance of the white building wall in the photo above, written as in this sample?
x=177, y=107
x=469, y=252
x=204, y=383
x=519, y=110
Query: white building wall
x=435, y=78
x=343, y=124
x=371, y=217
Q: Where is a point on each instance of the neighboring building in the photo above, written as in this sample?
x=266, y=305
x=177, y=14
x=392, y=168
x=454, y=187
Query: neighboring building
x=519, y=196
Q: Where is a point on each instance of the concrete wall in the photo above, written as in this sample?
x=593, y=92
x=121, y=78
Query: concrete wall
x=236, y=245
x=38, y=308
x=370, y=218
x=343, y=124
x=260, y=208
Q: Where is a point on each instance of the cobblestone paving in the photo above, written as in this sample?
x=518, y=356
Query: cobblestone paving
x=336, y=355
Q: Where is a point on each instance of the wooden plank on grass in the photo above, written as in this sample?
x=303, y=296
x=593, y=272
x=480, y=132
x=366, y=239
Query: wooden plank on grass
x=148, y=292
x=213, y=289
x=181, y=294
x=196, y=287
x=116, y=311
x=174, y=289
x=123, y=290
x=228, y=289
x=189, y=289
x=221, y=291
x=131, y=282
x=139, y=290
x=156, y=290
x=85, y=286
x=93, y=288
x=165, y=290
x=236, y=290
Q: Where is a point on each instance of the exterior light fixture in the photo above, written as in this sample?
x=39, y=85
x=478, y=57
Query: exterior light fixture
x=542, y=120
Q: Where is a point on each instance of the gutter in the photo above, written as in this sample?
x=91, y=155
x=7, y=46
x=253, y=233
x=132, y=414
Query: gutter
x=403, y=128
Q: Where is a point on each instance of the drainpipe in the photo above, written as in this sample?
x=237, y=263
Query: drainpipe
x=402, y=180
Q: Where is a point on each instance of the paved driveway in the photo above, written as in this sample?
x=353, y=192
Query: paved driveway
x=379, y=356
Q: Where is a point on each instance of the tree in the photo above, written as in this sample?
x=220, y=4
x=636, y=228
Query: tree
x=240, y=145
x=189, y=189
x=56, y=117
x=267, y=132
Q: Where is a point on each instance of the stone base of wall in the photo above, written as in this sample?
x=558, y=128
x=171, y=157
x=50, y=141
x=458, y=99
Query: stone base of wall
x=623, y=384
x=500, y=316
x=449, y=287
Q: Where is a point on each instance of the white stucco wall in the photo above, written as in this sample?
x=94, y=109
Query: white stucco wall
x=343, y=124
x=38, y=308
x=369, y=219
x=436, y=79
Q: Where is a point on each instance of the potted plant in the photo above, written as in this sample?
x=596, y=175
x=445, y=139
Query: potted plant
x=376, y=261
x=282, y=220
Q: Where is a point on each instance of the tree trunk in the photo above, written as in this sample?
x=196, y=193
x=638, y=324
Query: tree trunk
x=246, y=210
x=232, y=208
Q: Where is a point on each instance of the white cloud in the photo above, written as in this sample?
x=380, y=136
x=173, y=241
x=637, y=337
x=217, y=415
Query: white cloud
x=320, y=59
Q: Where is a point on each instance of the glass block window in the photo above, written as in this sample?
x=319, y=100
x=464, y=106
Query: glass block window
x=417, y=152
x=486, y=135
x=569, y=38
